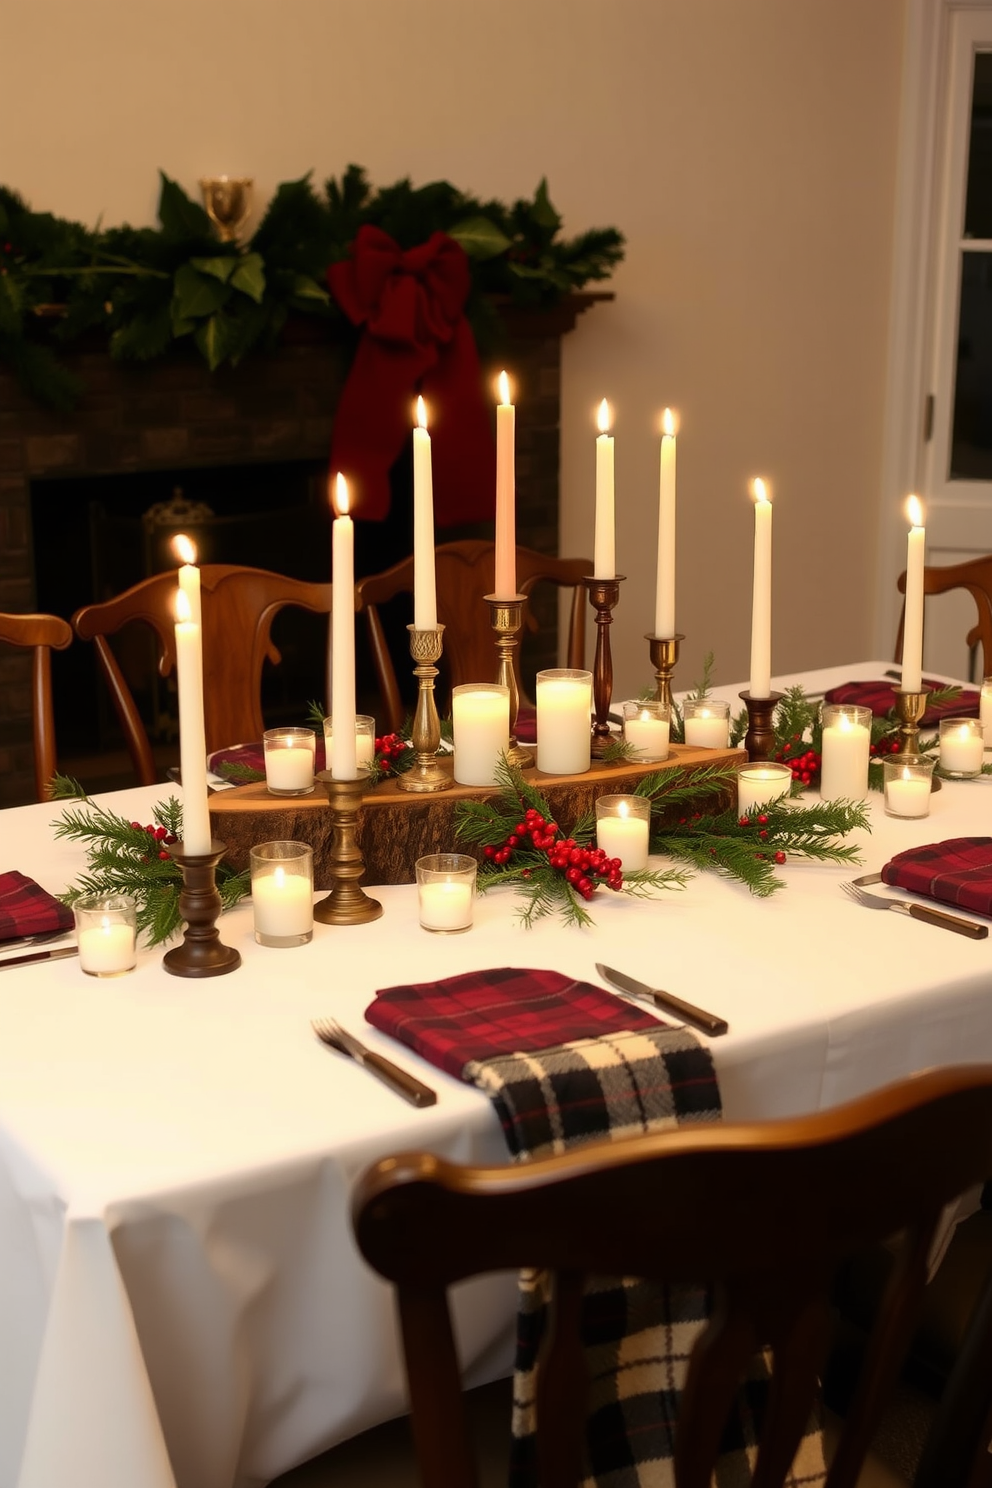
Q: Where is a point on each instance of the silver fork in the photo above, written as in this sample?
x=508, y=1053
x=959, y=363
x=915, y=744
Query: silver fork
x=330, y=1032
x=917, y=912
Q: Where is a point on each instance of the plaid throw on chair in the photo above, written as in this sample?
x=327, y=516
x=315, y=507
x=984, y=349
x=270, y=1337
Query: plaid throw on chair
x=564, y=1063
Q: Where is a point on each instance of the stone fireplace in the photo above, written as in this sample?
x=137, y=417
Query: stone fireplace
x=252, y=442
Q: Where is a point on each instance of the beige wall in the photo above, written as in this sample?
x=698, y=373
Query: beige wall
x=746, y=147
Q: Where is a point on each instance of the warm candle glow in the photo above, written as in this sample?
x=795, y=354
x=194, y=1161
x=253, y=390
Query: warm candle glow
x=341, y=498
x=184, y=549
x=603, y=417
x=183, y=612
x=669, y=424
x=914, y=511
x=421, y=414
x=504, y=389
x=759, y=490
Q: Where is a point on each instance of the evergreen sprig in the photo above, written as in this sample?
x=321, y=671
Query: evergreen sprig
x=123, y=857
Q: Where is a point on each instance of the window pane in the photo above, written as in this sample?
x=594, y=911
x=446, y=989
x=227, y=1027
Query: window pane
x=978, y=201
x=971, y=438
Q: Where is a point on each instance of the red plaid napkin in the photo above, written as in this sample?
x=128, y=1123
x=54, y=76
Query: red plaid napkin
x=27, y=909
x=958, y=871
x=483, y=1014
x=880, y=697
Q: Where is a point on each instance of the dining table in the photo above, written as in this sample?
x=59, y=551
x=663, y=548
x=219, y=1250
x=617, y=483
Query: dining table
x=182, y=1304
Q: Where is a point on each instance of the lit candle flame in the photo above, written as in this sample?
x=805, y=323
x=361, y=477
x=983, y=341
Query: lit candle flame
x=603, y=417
x=280, y=878
x=623, y=809
x=504, y=389
x=759, y=489
x=421, y=413
x=668, y=425
x=341, y=498
x=184, y=549
x=183, y=612
x=914, y=511
x=105, y=923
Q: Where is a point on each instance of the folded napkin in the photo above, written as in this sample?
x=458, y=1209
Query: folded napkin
x=252, y=757
x=564, y=1063
x=880, y=697
x=27, y=909
x=958, y=872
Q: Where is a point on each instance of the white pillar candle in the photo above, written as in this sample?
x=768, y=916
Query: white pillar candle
x=564, y=708
x=445, y=906
x=604, y=545
x=192, y=732
x=962, y=746
x=846, y=744
x=624, y=837
x=189, y=575
x=343, y=762
x=282, y=904
x=648, y=736
x=664, y=606
x=907, y=796
x=480, y=717
x=912, y=630
x=424, y=586
x=758, y=784
x=761, y=594
x=106, y=948
x=506, y=494
x=986, y=711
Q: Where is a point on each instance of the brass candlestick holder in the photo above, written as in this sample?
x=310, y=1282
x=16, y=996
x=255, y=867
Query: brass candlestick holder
x=347, y=903
x=227, y=200
x=506, y=617
x=759, y=741
x=910, y=707
x=664, y=659
x=202, y=954
x=425, y=774
x=604, y=595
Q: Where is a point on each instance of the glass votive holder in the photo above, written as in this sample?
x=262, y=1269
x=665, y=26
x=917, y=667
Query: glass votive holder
x=564, y=713
x=986, y=707
x=962, y=745
x=106, y=933
x=445, y=891
x=622, y=827
x=364, y=740
x=647, y=728
x=480, y=725
x=759, y=783
x=707, y=723
x=908, y=784
x=845, y=748
x=282, y=893
x=289, y=761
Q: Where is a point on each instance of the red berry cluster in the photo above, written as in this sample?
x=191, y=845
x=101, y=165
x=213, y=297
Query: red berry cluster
x=884, y=746
x=387, y=748
x=583, y=867
x=804, y=763
x=762, y=824
x=157, y=834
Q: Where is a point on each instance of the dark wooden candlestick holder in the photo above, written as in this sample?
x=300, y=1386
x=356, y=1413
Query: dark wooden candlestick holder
x=759, y=741
x=604, y=595
x=202, y=953
x=347, y=903
x=664, y=659
x=506, y=616
x=425, y=774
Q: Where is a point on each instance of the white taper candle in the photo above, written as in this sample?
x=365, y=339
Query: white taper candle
x=344, y=762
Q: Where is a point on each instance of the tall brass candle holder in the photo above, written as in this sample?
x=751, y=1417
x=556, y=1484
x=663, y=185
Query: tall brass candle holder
x=759, y=741
x=347, y=903
x=202, y=953
x=227, y=200
x=604, y=595
x=425, y=774
x=910, y=708
x=506, y=617
x=664, y=659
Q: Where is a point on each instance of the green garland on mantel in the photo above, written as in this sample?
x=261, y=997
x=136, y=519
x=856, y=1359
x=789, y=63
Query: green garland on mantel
x=147, y=289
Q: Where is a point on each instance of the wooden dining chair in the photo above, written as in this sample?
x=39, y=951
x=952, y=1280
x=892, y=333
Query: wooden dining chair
x=41, y=634
x=465, y=573
x=976, y=577
x=764, y=1213
x=239, y=605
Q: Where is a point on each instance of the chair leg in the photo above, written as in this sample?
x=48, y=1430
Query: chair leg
x=957, y=1447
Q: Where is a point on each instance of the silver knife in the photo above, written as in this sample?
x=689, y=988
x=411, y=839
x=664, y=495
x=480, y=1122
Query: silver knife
x=684, y=1010
x=55, y=955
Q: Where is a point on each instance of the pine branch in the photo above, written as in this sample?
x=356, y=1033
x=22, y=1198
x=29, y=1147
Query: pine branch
x=238, y=774
x=65, y=788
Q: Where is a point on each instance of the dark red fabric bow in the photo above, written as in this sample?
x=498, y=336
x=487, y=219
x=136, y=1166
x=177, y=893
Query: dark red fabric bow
x=416, y=338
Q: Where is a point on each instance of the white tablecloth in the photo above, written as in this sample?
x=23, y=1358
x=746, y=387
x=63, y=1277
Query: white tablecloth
x=181, y=1302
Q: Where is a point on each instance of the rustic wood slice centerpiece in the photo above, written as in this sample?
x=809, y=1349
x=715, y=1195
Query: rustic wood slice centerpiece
x=396, y=828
